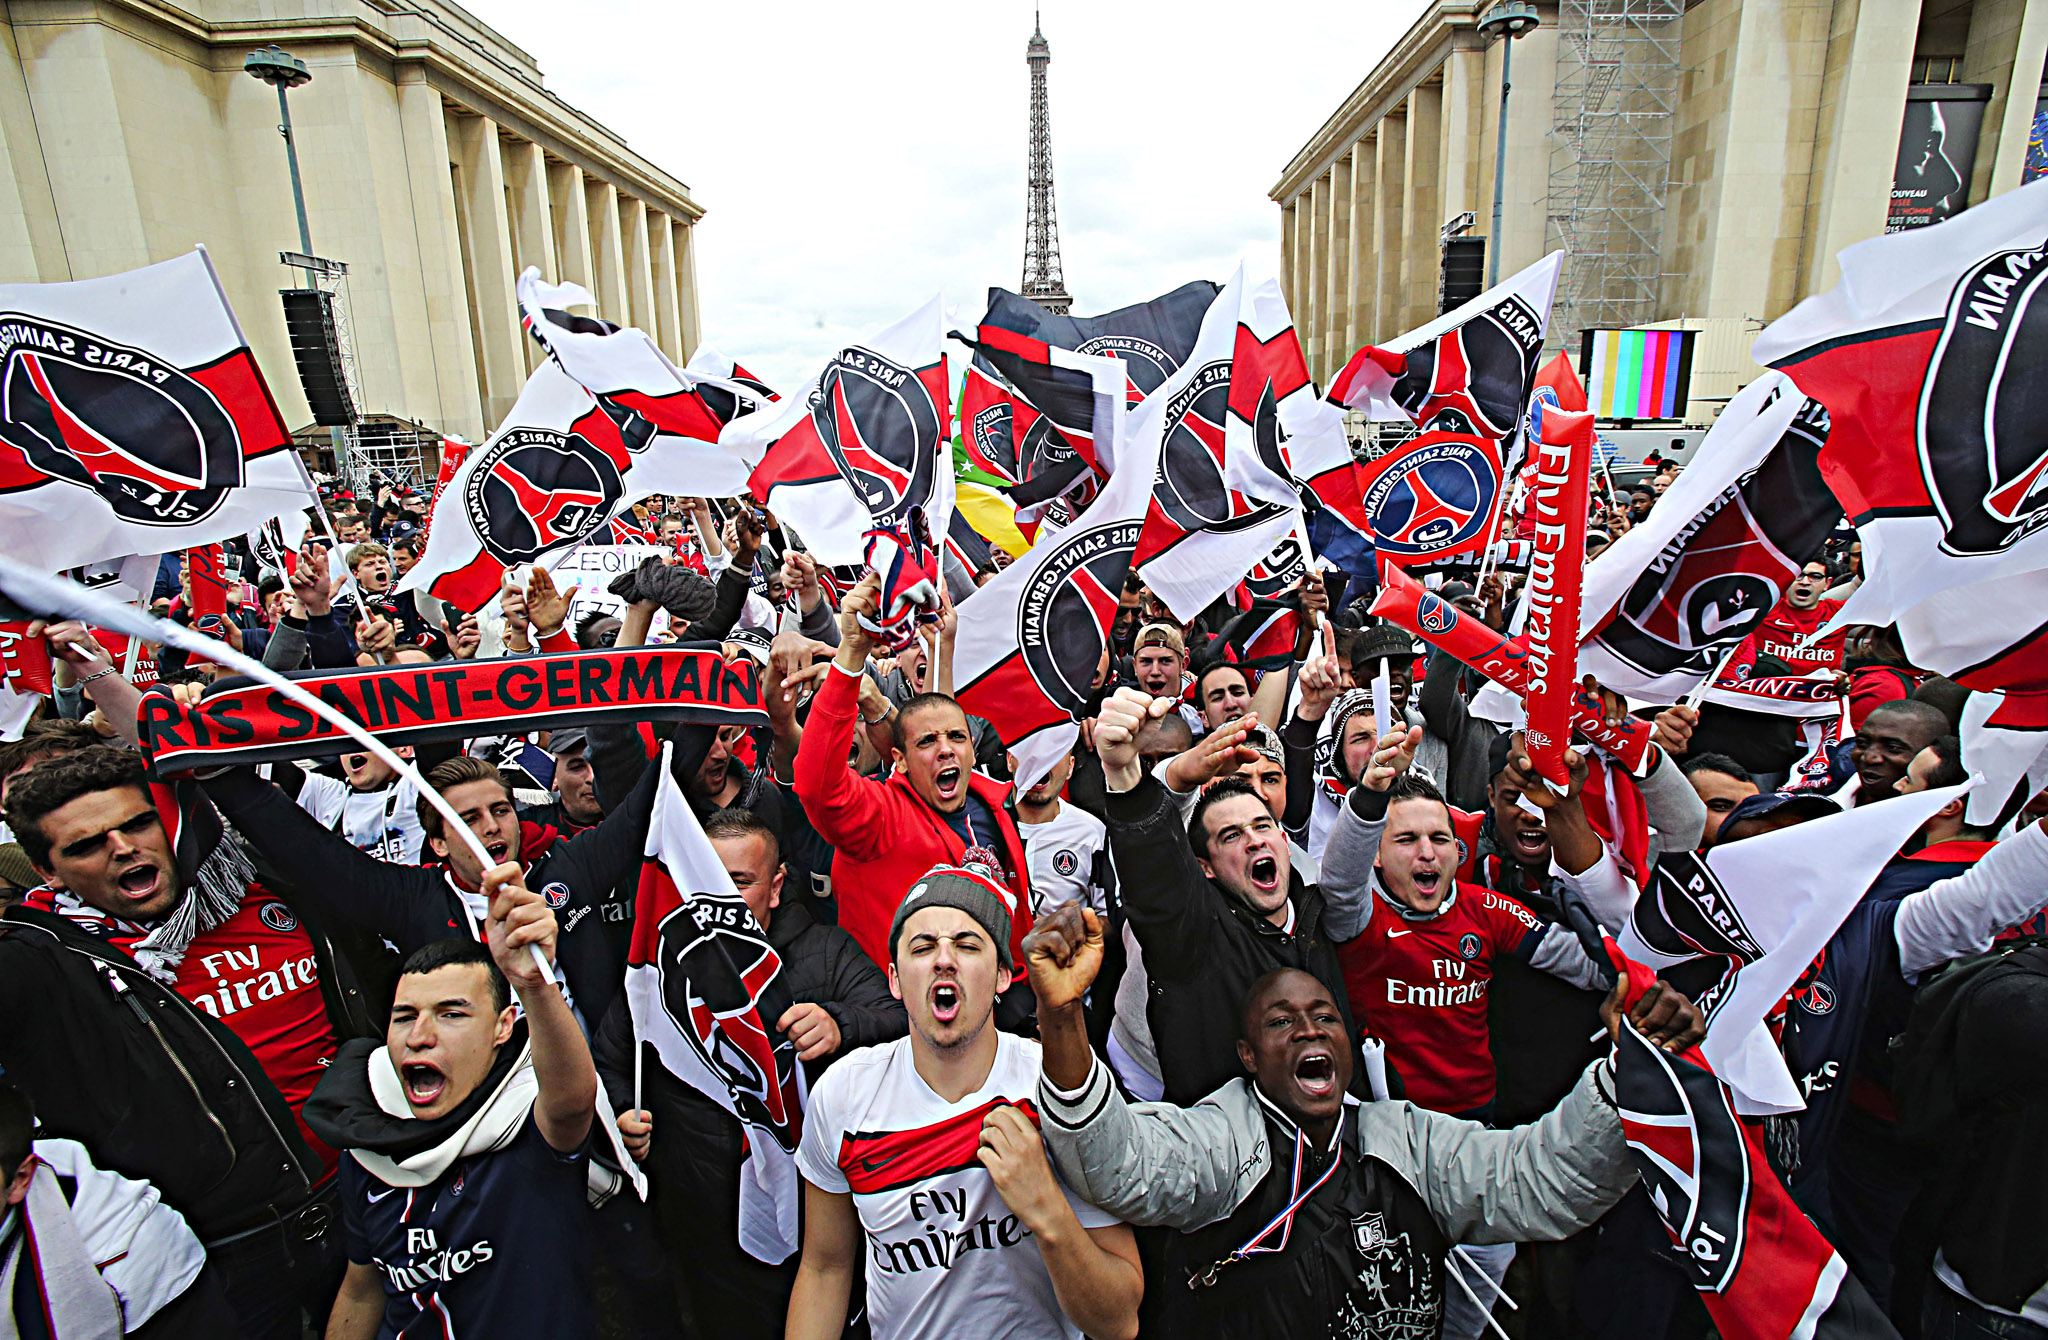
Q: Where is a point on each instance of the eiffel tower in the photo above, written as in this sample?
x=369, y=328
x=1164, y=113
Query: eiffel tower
x=1043, y=282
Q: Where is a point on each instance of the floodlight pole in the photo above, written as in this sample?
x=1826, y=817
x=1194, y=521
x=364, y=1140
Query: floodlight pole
x=1506, y=21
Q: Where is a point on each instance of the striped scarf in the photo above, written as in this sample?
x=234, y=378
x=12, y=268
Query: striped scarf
x=217, y=876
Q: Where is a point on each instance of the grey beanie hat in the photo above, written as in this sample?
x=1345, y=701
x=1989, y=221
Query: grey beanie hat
x=971, y=889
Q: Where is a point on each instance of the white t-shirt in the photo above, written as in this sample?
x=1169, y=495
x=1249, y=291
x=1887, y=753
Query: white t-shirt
x=946, y=1257
x=1060, y=854
x=385, y=822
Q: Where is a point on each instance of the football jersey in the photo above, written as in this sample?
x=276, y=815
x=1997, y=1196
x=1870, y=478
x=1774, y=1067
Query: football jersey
x=945, y=1256
x=385, y=823
x=496, y=1246
x=256, y=973
x=1061, y=855
x=1786, y=633
x=1420, y=987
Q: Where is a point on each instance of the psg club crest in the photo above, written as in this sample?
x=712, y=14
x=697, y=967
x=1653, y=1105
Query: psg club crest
x=1983, y=436
x=538, y=490
x=1190, y=487
x=157, y=445
x=1435, y=615
x=718, y=966
x=1434, y=498
x=1065, y=613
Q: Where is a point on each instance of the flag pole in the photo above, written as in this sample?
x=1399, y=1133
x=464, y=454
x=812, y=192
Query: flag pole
x=1699, y=693
x=59, y=595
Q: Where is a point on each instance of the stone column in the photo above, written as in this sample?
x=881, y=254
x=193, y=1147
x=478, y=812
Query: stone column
x=1421, y=220
x=639, y=263
x=1390, y=303
x=444, y=287
x=573, y=251
x=2016, y=86
x=1336, y=330
x=1863, y=107
x=686, y=294
x=493, y=305
x=608, y=251
x=1365, y=169
x=668, y=328
x=1319, y=275
x=1290, y=277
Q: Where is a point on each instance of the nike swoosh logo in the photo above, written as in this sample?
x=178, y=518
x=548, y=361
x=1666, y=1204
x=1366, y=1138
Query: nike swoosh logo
x=876, y=1165
x=374, y=1196
x=1713, y=623
x=1394, y=934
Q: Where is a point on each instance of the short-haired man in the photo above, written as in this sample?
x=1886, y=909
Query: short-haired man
x=1721, y=784
x=1159, y=662
x=466, y=1138
x=1372, y=1195
x=923, y=1158
x=1218, y=903
x=691, y=1148
x=1891, y=737
x=1065, y=847
x=1641, y=499
x=1788, y=630
x=934, y=808
x=130, y=974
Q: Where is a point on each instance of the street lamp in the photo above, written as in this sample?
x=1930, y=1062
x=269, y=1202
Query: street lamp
x=1506, y=21
x=283, y=71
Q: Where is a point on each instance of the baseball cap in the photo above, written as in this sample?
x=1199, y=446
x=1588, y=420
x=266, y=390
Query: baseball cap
x=1160, y=635
x=973, y=890
x=1807, y=805
x=566, y=741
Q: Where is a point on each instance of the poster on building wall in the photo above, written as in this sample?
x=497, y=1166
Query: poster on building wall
x=2037, y=144
x=1937, y=150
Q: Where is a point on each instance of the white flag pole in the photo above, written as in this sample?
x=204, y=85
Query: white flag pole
x=59, y=596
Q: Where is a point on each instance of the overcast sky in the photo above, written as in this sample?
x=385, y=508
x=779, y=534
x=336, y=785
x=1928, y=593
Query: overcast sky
x=855, y=158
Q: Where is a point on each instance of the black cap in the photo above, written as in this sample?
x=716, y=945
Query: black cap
x=1809, y=805
x=566, y=741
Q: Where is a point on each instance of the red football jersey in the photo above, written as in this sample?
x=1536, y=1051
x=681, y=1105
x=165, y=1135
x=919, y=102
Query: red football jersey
x=1420, y=987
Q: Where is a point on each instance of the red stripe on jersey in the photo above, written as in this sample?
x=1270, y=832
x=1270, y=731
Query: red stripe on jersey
x=878, y=1160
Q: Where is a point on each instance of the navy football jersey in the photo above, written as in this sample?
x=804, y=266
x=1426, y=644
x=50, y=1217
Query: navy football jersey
x=495, y=1247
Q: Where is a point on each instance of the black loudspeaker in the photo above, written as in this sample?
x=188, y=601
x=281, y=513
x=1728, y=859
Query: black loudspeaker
x=309, y=321
x=1463, y=276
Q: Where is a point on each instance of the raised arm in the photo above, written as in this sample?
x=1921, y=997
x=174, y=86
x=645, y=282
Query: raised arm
x=519, y=922
x=1170, y=909
x=1960, y=915
x=843, y=806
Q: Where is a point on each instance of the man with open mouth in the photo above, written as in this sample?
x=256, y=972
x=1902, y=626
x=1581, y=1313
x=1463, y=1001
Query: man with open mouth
x=1218, y=903
x=1298, y=1213
x=922, y=1157
x=467, y=1137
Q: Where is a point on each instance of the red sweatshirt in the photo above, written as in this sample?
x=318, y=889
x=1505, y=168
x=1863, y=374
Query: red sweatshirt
x=884, y=834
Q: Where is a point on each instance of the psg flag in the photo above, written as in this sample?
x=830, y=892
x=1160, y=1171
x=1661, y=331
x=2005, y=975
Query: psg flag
x=1931, y=355
x=1432, y=499
x=1667, y=601
x=133, y=419
x=1467, y=372
x=1030, y=644
x=655, y=405
x=1221, y=435
x=1760, y=1266
x=554, y=474
x=705, y=989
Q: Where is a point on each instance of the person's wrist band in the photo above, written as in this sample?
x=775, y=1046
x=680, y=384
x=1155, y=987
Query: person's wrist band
x=97, y=674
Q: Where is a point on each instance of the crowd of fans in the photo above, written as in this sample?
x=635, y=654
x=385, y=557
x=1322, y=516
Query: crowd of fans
x=1248, y=1019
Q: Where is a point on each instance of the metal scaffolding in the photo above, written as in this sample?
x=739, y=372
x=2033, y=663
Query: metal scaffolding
x=1616, y=91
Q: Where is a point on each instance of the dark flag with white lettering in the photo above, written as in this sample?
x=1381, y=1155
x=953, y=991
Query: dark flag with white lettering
x=705, y=987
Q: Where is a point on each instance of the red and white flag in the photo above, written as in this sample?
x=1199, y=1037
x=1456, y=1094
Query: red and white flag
x=1667, y=602
x=1223, y=491
x=1469, y=371
x=705, y=988
x=1564, y=464
x=1930, y=357
x=553, y=475
x=134, y=420
x=658, y=407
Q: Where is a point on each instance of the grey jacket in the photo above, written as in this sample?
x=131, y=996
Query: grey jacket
x=1154, y=1164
